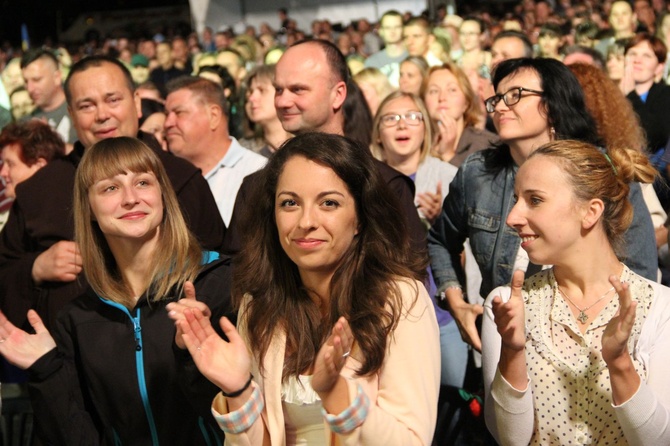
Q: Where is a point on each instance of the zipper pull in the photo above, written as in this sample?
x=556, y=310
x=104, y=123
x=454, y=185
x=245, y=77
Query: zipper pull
x=138, y=329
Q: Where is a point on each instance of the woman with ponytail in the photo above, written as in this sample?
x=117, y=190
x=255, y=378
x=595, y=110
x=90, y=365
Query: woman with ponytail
x=578, y=353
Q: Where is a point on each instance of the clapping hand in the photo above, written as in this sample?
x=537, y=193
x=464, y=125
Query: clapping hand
x=332, y=356
x=176, y=310
x=510, y=316
x=618, y=330
x=431, y=203
x=23, y=349
x=226, y=364
x=445, y=139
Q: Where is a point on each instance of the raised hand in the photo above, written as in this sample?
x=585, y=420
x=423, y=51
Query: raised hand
x=176, y=310
x=226, y=364
x=617, y=332
x=332, y=356
x=60, y=263
x=510, y=316
x=627, y=83
x=431, y=203
x=444, y=146
x=23, y=349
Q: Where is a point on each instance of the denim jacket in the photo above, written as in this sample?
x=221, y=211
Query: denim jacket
x=477, y=207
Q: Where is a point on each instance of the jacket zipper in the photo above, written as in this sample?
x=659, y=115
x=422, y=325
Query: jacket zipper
x=139, y=366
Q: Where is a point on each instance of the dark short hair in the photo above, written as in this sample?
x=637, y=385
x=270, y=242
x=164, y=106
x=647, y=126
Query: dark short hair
x=35, y=138
x=656, y=44
x=480, y=22
x=38, y=53
x=527, y=45
x=207, y=90
x=598, y=58
x=96, y=61
x=150, y=107
x=390, y=13
x=420, y=21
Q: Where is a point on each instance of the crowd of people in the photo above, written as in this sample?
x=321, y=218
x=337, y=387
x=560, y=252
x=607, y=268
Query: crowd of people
x=294, y=237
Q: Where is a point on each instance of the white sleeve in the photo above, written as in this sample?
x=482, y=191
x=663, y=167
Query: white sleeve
x=645, y=418
x=508, y=412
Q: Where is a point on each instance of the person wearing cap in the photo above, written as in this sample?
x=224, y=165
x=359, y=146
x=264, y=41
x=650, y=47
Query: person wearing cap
x=139, y=68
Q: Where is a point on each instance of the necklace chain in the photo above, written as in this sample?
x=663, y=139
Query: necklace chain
x=583, y=317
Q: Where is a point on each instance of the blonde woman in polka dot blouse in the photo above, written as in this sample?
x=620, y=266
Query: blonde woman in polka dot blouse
x=578, y=353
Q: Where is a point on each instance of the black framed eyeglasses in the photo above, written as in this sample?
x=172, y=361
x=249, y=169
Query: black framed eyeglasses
x=410, y=118
x=510, y=97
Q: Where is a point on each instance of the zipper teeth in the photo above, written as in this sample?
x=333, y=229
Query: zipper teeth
x=139, y=366
x=139, y=360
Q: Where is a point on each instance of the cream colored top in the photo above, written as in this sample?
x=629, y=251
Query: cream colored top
x=403, y=393
x=569, y=397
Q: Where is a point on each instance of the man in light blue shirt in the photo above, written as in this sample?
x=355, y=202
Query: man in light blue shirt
x=196, y=129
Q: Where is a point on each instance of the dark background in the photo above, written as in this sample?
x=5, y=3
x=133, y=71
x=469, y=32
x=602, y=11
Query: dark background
x=44, y=17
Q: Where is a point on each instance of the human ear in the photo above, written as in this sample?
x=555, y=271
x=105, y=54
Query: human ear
x=593, y=211
x=340, y=90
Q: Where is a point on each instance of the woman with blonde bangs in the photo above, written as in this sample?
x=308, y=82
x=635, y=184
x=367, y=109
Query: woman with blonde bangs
x=115, y=370
x=375, y=87
x=453, y=107
x=588, y=332
x=401, y=138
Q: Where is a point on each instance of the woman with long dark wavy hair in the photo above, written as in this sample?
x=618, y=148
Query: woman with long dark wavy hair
x=342, y=336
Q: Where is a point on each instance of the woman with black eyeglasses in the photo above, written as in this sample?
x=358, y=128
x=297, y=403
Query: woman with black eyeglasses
x=536, y=101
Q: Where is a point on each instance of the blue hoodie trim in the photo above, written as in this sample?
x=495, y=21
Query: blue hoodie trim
x=209, y=257
x=139, y=364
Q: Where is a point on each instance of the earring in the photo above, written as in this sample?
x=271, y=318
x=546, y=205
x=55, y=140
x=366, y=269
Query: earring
x=552, y=133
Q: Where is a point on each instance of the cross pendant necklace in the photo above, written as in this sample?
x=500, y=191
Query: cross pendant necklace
x=583, y=317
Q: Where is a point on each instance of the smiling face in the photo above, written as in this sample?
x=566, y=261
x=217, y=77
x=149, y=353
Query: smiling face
x=547, y=215
x=645, y=63
x=524, y=125
x=127, y=207
x=402, y=142
x=444, y=94
x=307, y=95
x=102, y=104
x=14, y=170
x=316, y=220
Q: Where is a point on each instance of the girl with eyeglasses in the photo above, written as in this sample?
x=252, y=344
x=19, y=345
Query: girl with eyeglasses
x=402, y=138
x=537, y=101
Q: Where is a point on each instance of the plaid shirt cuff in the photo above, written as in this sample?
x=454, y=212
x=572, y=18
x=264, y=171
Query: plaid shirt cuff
x=351, y=417
x=243, y=418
